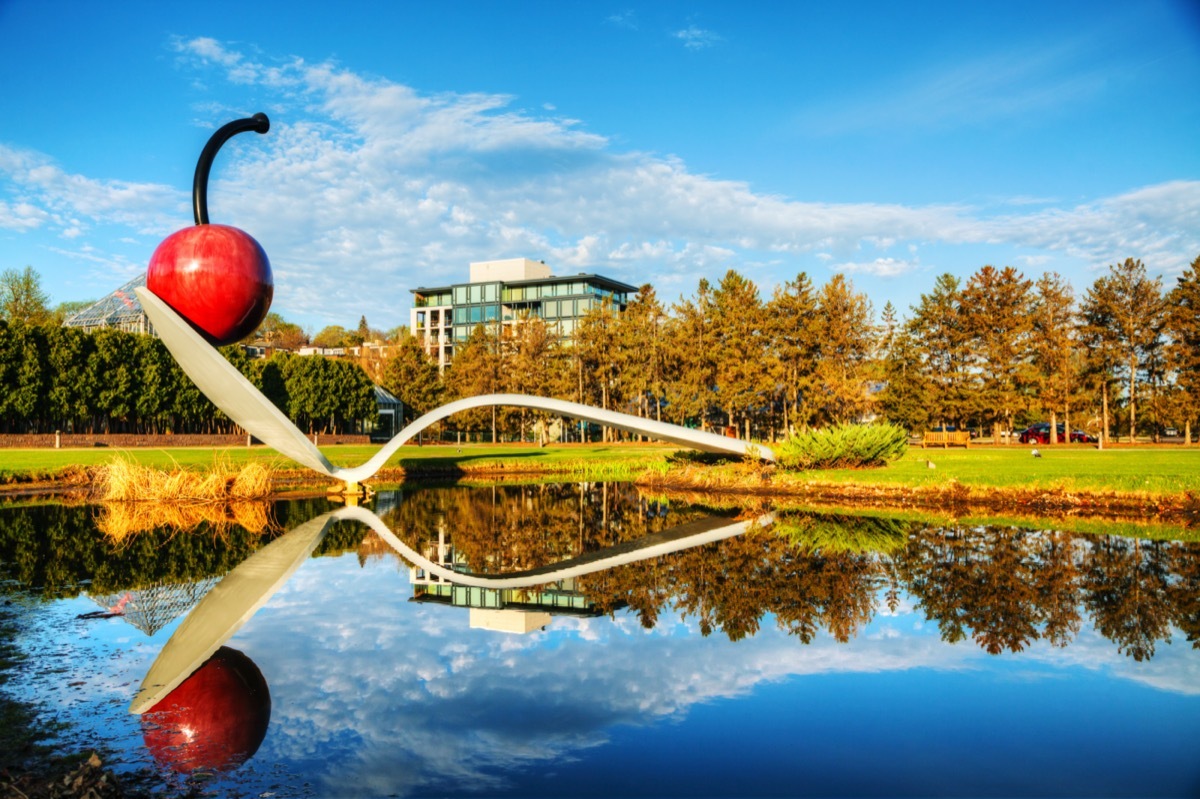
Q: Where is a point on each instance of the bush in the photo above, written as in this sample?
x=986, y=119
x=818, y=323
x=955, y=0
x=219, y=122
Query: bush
x=847, y=446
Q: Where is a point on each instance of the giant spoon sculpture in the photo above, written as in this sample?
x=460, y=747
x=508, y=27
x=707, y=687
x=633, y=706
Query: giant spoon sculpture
x=211, y=284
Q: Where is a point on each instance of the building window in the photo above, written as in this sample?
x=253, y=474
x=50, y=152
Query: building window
x=490, y=313
x=489, y=292
x=460, y=295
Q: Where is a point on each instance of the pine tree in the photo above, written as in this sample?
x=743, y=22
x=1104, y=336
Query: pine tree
x=906, y=397
x=412, y=377
x=845, y=336
x=1183, y=329
x=474, y=372
x=792, y=329
x=640, y=353
x=996, y=311
x=739, y=323
x=1052, y=343
x=691, y=360
x=533, y=366
x=1123, y=313
x=938, y=328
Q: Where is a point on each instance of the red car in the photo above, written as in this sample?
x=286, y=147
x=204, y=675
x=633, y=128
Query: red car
x=1040, y=434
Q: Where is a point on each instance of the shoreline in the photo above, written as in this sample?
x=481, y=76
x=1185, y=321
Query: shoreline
x=948, y=497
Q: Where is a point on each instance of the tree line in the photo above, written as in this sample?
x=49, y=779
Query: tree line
x=58, y=378
x=991, y=353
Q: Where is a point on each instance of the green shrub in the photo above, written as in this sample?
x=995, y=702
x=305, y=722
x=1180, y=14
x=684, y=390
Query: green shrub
x=846, y=446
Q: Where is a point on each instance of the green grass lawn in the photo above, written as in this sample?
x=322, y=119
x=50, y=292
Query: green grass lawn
x=526, y=457
x=1153, y=470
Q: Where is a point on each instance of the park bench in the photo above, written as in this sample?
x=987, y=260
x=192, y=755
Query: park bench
x=946, y=438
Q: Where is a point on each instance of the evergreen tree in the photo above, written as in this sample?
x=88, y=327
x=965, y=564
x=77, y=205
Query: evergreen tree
x=640, y=353
x=413, y=377
x=996, y=311
x=1183, y=329
x=1123, y=313
x=1052, y=342
x=70, y=392
x=906, y=397
x=793, y=332
x=534, y=367
x=475, y=372
x=597, y=362
x=937, y=326
x=739, y=322
x=845, y=349
x=691, y=360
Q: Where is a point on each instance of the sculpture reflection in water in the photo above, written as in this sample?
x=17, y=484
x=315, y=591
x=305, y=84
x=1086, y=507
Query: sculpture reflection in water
x=215, y=720
x=207, y=706
x=1004, y=588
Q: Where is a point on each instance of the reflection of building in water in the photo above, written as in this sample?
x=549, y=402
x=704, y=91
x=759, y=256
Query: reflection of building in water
x=154, y=607
x=510, y=610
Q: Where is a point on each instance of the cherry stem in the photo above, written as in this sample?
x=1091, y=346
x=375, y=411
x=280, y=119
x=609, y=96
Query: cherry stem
x=257, y=123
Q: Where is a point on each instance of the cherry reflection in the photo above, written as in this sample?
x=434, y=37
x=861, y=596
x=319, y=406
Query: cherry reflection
x=215, y=720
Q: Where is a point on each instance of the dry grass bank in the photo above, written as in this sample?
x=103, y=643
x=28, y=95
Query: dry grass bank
x=123, y=480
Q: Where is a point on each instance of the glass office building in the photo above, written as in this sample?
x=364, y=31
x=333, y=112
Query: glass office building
x=505, y=292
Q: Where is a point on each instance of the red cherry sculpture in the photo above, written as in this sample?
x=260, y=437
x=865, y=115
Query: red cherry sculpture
x=216, y=277
x=215, y=720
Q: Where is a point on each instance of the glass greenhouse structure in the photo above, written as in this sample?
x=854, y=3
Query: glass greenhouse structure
x=120, y=310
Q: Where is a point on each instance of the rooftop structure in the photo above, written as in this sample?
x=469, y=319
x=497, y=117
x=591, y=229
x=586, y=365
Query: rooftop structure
x=504, y=292
x=120, y=310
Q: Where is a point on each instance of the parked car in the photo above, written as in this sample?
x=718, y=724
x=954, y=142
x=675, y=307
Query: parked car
x=1171, y=432
x=1040, y=434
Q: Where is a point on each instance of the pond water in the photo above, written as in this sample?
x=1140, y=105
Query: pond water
x=592, y=640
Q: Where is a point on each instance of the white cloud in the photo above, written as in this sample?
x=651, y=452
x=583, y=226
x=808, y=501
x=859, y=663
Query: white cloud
x=21, y=216
x=880, y=267
x=696, y=38
x=59, y=199
x=623, y=19
x=365, y=183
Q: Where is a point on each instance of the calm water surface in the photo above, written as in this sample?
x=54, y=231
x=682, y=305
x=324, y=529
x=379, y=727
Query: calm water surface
x=809, y=655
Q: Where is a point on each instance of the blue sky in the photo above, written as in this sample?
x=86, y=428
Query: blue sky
x=659, y=142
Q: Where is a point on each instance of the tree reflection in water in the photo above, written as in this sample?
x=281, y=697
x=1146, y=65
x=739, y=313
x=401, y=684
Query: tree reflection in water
x=1002, y=587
